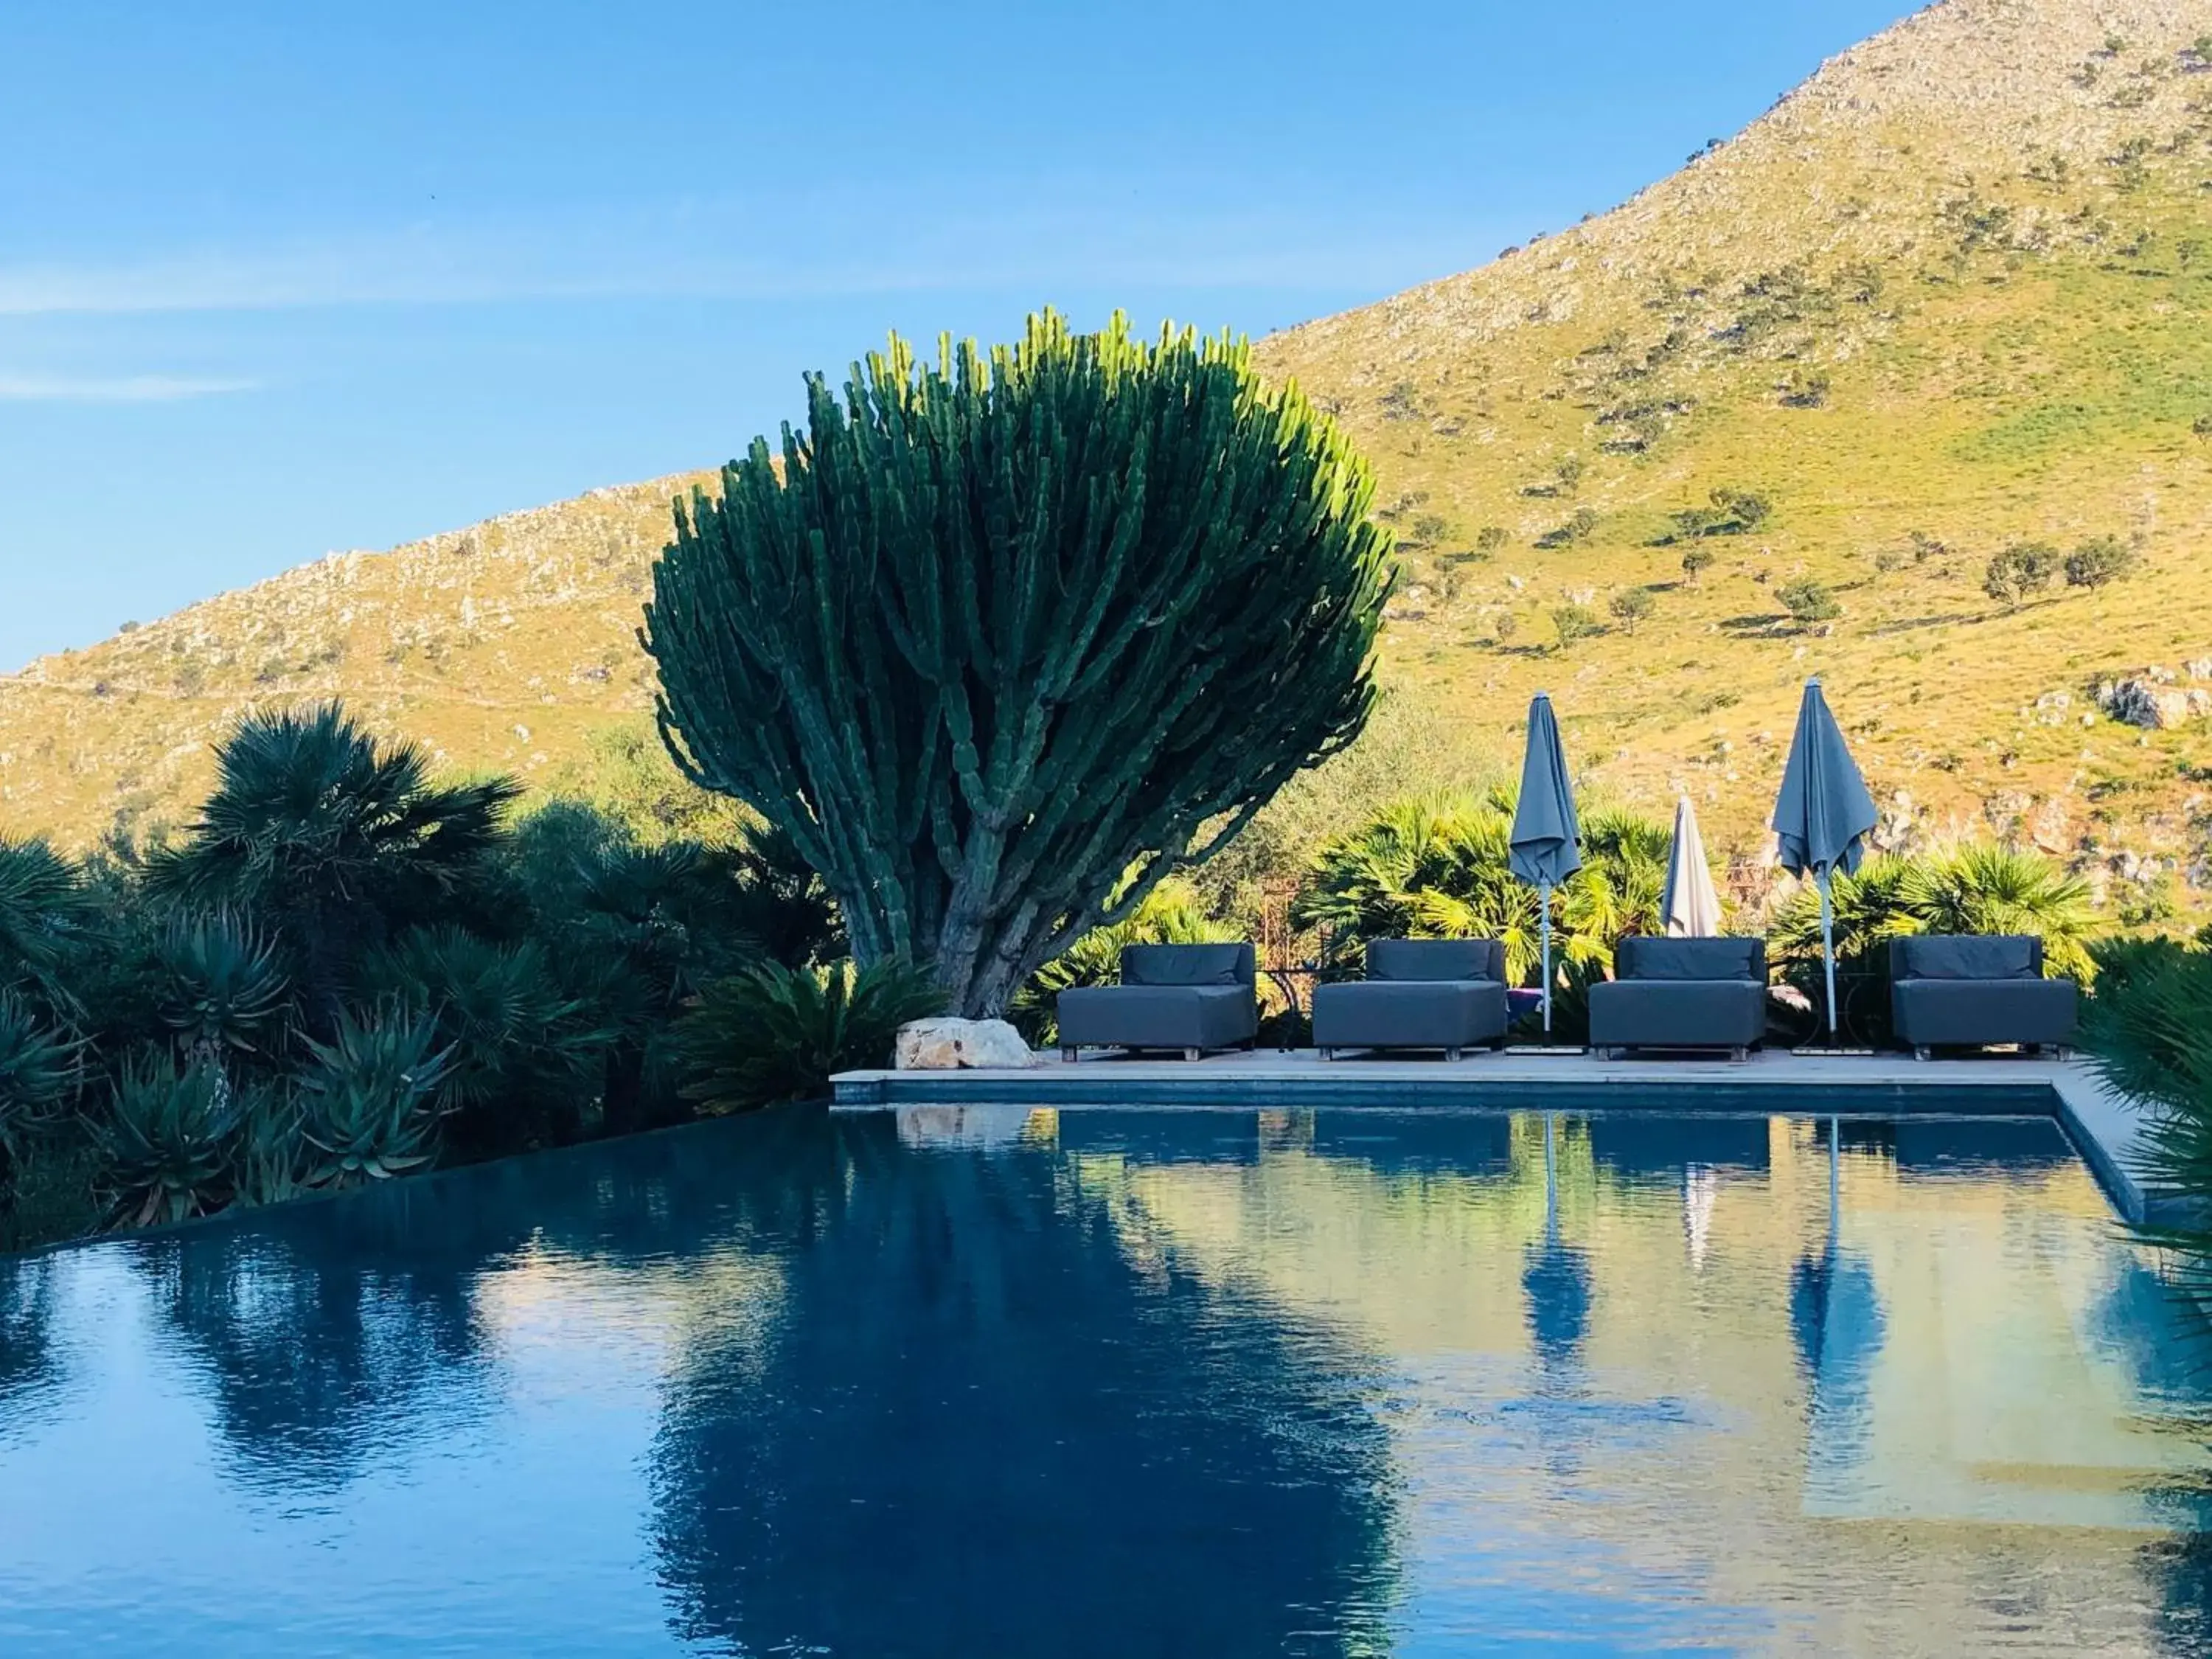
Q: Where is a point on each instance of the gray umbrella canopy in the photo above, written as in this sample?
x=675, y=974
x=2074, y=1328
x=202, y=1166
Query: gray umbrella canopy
x=1546, y=848
x=1823, y=816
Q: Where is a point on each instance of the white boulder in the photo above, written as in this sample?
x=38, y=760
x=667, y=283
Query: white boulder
x=953, y=1045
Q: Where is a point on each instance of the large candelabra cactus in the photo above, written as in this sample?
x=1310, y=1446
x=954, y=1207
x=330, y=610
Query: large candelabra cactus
x=1001, y=642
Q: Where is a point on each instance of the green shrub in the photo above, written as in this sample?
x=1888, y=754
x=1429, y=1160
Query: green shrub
x=517, y=1047
x=1728, y=512
x=2100, y=560
x=1571, y=623
x=773, y=1033
x=1696, y=563
x=1631, y=606
x=1577, y=529
x=1808, y=603
x=1491, y=537
x=2019, y=572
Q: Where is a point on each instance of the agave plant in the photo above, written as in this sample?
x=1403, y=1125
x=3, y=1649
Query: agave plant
x=330, y=837
x=275, y=1161
x=368, y=1099
x=774, y=1033
x=38, y=1069
x=226, y=992
x=1172, y=913
x=45, y=911
x=516, y=1042
x=170, y=1138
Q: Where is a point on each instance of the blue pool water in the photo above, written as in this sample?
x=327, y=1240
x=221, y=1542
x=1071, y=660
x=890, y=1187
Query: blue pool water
x=990, y=1383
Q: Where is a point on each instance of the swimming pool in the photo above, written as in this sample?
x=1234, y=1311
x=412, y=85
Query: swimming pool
x=991, y=1381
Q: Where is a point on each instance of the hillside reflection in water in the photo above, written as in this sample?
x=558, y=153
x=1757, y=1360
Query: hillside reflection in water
x=986, y=1381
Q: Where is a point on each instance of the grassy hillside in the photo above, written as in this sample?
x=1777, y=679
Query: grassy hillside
x=1949, y=296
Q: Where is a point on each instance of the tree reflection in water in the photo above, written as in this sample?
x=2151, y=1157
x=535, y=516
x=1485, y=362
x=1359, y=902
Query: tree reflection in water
x=27, y=1368
x=991, y=1420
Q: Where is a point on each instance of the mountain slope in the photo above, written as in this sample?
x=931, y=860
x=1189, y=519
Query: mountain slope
x=1949, y=296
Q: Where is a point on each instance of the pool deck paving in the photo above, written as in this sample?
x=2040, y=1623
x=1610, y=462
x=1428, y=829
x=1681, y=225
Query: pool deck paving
x=2106, y=1128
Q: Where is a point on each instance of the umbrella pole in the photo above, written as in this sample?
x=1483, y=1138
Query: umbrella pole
x=1544, y=898
x=1828, y=949
x=1835, y=1178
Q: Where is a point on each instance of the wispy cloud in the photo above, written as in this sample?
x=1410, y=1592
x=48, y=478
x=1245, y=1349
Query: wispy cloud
x=18, y=388
x=733, y=251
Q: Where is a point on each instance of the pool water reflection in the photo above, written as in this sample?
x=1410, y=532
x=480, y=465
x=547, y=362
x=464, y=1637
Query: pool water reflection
x=990, y=1381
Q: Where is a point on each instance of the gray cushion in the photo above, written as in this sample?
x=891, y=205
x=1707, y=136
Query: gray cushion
x=1942, y=955
x=1436, y=959
x=1186, y=964
x=1438, y=1014
x=1677, y=1014
x=1157, y=1016
x=1654, y=958
x=1940, y=1013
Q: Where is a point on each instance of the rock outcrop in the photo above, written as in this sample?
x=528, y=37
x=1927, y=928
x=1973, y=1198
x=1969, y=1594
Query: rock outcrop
x=953, y=1045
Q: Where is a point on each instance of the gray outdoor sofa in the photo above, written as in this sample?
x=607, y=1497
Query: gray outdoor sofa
x=1954, y=991
x=1191, y=997
x=1447, y=993
x=1681, y=994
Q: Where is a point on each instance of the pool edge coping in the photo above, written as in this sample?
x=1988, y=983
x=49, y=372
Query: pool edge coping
x=2102, y=1127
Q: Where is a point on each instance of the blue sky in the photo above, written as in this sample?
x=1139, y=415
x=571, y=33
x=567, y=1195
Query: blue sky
x=277, y=279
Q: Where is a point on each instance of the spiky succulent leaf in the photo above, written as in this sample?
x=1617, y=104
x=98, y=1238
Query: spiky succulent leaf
x=38, y=1069
x=226, y=989
x=170, y=1138
x=368, y=1098
x=774, y=1034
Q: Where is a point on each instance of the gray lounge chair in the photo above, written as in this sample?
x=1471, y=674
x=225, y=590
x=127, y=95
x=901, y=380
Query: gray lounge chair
x=1954, y=991
x=1681, y=994
x=1447, y=993
x=1191, y=997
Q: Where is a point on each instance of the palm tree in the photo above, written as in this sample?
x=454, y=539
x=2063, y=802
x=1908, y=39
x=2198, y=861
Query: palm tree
x=1969, y=888
x=1436, y=867
x=333, y=840
x=1996, y=890
x=1173, y=913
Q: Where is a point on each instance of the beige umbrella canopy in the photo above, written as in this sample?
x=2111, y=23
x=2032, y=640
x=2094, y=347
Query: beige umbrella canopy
x=1689, y=906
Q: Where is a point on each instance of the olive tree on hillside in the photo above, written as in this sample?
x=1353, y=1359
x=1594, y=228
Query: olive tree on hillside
x=1001, y=642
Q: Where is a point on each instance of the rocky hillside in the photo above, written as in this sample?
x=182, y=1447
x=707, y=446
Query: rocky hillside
x=1946, y=303
x=1947, y=300
x=502, y=648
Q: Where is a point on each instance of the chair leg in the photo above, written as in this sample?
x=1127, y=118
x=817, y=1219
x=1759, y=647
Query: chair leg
x=1452, y=1055
x=1922, y=1051
x=1326, y=1054
x=1067, y=1054
x=1192, y=1054
x=1738, y=1054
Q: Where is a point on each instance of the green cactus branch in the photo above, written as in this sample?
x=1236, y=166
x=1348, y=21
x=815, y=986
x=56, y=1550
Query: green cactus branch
x=1002, y=643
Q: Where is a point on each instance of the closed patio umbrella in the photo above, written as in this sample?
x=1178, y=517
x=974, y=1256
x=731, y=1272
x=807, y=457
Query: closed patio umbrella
x=1546, y=846
x=1822, y=816
x=1689, y=908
